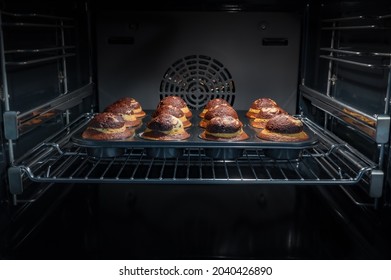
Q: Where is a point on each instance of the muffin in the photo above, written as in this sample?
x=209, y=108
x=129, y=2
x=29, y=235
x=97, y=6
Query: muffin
x=258, y=104
x=107, y=126
x=283, y=128
x=125, y=110
x=178, y=102
x=38, y=117
x=218, y=111
x=264, y=115
x=213, y=103
x=131, y=104
x=174, y=111
x=224, y=129
x=165, y=127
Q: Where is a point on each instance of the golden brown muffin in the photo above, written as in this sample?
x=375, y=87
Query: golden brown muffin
x=213, y=103
x=218, y=111
x=171, y=110
x=131, y=104
x=358, y=116
x=37, y=117
x=258, y=104
x=178, y=102
x=125, y=109
x=264, y=115
x=107, y=126
x=284, y=128
x=165, y=127
x=224, y=129
x=360, y=120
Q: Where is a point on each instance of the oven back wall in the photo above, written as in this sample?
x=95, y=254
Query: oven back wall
x=242, y=56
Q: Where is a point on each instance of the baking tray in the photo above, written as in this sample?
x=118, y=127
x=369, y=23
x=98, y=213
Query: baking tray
x=213, y=149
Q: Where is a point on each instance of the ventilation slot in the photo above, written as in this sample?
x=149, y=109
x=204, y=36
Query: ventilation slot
x=197, y=79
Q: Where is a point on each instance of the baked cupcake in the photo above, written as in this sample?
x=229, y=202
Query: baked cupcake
x=125, y=110
x=171, y=110
x=284, y=128
x=131, y=104
x=218, y=111
x=213, y=103
x=264, y=115
x=224, y=129
x=107, y=126
x=178, y=102
x=258, y=104
x=165, y=127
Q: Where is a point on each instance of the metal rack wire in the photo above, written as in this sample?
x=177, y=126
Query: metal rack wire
x=44, y=21
x=341, y=55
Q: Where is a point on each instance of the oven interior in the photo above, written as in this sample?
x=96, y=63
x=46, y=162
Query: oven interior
x=325, y=62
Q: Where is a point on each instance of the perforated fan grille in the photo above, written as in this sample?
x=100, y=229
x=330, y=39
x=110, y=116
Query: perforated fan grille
x=197, y=79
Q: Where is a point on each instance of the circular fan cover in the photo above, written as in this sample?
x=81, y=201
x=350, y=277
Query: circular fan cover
x=197, y=79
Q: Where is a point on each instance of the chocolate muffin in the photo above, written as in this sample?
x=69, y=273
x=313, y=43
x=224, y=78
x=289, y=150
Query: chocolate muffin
x=125, y=110
x=130, y=104
x=218, y=111
x=224, y=129
x=174, y=111
x=213, y=103
x=178, y=102
x=258, y=104
x=165, y=127
x=284, y=128
x=107, y=126
x=264, y=115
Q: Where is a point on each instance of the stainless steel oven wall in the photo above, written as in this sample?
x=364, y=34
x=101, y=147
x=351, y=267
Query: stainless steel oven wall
x=351, y=54
x=133, y=207
x=46, y=59
x=145, y=54
x=346, y=74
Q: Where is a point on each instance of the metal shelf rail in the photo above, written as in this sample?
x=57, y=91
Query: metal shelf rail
x=366, y=58
x=56, y=52
x=49, y=53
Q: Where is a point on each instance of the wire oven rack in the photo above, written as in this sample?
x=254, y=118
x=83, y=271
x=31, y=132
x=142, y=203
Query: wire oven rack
x=59, y=160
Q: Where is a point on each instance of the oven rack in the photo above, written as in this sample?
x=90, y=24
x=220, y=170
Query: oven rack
x=59, y=160
x=357, y=22
x=40, y=54
x=315, y=167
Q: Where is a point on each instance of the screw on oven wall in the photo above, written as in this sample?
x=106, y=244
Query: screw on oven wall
x=333, y=80
x=61, y=77
x=263, y=25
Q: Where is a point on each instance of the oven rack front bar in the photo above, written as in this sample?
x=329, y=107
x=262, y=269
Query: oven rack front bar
x=331, y=162
x=316, y=166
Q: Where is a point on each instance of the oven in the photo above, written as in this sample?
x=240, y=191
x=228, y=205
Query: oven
x=327, y=63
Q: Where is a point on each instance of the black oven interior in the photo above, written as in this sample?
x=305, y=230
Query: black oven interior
x=326, y=62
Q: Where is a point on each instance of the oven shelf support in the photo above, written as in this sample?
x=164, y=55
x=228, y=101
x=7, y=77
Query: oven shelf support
x=376, y=127
x=11, y=131
x=376, y=185
x=15, y=180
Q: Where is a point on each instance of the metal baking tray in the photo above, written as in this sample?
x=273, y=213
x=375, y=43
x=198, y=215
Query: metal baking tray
x=213, y=149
